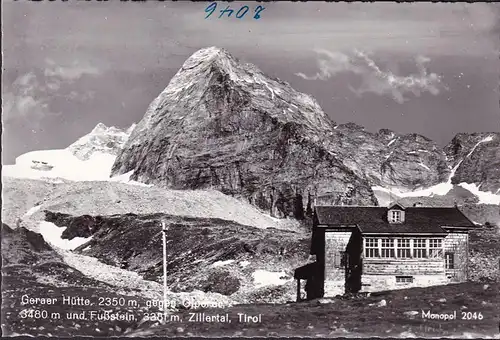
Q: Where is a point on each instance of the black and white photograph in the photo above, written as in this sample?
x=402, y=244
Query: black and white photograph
x=250, y=169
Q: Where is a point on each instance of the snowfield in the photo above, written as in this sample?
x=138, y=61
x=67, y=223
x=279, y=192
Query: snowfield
x=221, y=263
x=262, y=278
x=52, y=234
x=486, y=197
x=61, y=164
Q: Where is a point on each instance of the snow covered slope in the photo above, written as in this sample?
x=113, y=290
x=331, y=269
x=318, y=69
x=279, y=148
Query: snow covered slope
x=480, y=191
x=60, y=164
x=102, y=139
x=90, y=158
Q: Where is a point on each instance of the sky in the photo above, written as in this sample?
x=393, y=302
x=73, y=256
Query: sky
x=429, y=68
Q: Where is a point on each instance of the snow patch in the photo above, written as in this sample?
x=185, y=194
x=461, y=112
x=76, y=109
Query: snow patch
x=270, y=89
x=262, y=278
x=392, y=141
x=125, y=178
x=52, y=234
x=485, y=197
x=244, y=263
x=32, y=210
x=438, y=189
x=485, y=140
x=424, y=166
x=221, y=263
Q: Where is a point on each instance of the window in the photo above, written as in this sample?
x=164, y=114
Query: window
x=404, y=279
x=371, y=247
x=404, y=248
x=339, y=259
x=419, y=248
x=395, y=216
x=435, y=247
x=449, y=260
x=387, y=249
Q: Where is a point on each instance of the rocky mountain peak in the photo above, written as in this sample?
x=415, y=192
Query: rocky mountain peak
x=99, y=128
x=386, y=132
x=212, y=86
x=103, y=139
x=224, y=124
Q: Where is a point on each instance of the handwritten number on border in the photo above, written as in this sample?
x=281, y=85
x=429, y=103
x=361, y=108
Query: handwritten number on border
x=211, y=8
x=227, y=9
x=257, y=11
x=240, y=14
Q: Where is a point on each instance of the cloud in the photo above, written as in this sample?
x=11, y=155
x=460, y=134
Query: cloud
x=30, y=96
x=374, y=78
x=331, y=63
x=70, y=72
x=23, y=100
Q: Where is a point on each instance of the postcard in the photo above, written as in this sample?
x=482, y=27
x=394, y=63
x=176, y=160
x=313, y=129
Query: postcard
x=250, y=169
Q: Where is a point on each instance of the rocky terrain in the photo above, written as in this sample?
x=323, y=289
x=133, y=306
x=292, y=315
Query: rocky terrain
x=32, y=268
x=25, y=201
x=225, y=266
x=223, y=124
x=391, y=314
x=211, y=255
x=201, y=248
x=477, y=159
x=390, y=159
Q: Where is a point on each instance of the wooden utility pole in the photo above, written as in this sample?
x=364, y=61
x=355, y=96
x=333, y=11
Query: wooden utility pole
x=164, y=232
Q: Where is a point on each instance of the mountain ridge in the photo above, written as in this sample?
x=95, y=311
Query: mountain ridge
x=224, y=124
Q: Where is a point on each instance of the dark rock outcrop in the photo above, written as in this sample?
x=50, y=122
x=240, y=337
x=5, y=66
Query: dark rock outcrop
x=23, y=246
x=81, y=226
x=222, y=282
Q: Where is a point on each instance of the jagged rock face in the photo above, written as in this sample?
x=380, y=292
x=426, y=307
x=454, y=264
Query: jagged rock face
x=224, y=125
x=101, y=139
x=390, y=159
x=476, y=157
x=414, y=162
x=23, y=246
